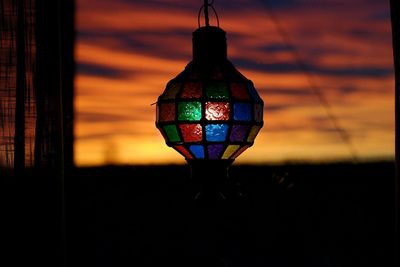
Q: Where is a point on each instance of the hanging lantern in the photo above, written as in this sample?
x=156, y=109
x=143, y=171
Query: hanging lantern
x=210, y=111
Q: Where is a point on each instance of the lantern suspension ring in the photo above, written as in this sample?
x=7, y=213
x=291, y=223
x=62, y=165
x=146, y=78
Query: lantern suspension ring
x=207, y=3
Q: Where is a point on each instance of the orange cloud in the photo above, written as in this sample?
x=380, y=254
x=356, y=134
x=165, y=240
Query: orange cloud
x=128, y=51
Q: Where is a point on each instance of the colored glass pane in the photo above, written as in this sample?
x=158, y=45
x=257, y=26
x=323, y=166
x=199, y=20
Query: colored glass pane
x=183, y=151
x=216, y=73
x=157, y=113
x=216, y=111
x=229, y=151
x=192, y=90
x=190, y=111
x=167, y=112
x=242, y=111
x=214, y=151
x=172, y=133
x=239, y=133
x=217, y=91
x=239, y=91
x=172, y=90
x=258, y=112
x=198, y=151
x=253, y=92
x=191, y=132
x=240, y=151
x=253, y=133
x=216, y=132
x=195, y=75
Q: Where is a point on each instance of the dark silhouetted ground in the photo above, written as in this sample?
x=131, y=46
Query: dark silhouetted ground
x=292, y=215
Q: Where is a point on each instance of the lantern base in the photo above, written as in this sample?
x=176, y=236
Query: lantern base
x=211, y=176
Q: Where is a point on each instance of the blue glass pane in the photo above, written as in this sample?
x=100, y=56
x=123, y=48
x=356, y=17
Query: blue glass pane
x=242, y=112
x=216, y=132
x=253, y=92
x=198, y=151
x=214, y=151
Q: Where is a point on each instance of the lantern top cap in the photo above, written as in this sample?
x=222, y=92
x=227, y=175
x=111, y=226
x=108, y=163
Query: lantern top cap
x=209, y=44
x=209, y=30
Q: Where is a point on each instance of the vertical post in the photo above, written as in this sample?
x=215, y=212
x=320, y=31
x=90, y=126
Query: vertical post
x=67, y=41
x=53, y=150
x=19, y=137
x=210, y=176
x=208, y=212
x=395, y=16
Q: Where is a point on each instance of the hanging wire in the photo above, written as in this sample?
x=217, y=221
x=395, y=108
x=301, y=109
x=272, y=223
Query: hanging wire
x=205, y=6
x=343, y=134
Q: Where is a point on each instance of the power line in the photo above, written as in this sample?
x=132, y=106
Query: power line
x=344, y=136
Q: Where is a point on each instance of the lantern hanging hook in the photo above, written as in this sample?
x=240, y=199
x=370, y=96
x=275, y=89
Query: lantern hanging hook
x=207, y=3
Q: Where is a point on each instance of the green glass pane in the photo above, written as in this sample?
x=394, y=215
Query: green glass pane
x=217, y=91
x=171, y=91
x=189, y=111
x=172, y=133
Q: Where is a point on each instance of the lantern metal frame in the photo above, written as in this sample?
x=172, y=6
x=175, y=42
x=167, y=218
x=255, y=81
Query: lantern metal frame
x=191, y=101
x=210, y=68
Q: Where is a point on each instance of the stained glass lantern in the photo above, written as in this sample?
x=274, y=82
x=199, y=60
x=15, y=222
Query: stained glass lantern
x=210, y=111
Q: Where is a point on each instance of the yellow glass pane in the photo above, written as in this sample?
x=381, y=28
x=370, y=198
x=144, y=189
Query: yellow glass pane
x=229, y=151
x=253, y=133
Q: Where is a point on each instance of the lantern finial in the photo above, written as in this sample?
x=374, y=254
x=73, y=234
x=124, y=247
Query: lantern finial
x=207, y=3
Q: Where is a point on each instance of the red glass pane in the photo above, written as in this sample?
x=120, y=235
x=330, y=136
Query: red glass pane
x=191, y=132
x=217, y=111
x=167, y=112
x=192, y=90
x=183, y=151
x=157, y=113
x=239, y=91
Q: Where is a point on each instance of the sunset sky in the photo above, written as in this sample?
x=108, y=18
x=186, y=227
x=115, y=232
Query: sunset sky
x=127, y=51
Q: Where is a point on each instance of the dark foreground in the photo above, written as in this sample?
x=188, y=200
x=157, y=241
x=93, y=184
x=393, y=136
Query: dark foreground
x=298, y=215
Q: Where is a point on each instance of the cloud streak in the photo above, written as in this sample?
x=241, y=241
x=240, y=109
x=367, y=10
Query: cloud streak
x=128, y=50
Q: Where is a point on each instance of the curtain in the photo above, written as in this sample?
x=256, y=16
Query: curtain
x=17, y=85
x=36, y=75
x=36, y=118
